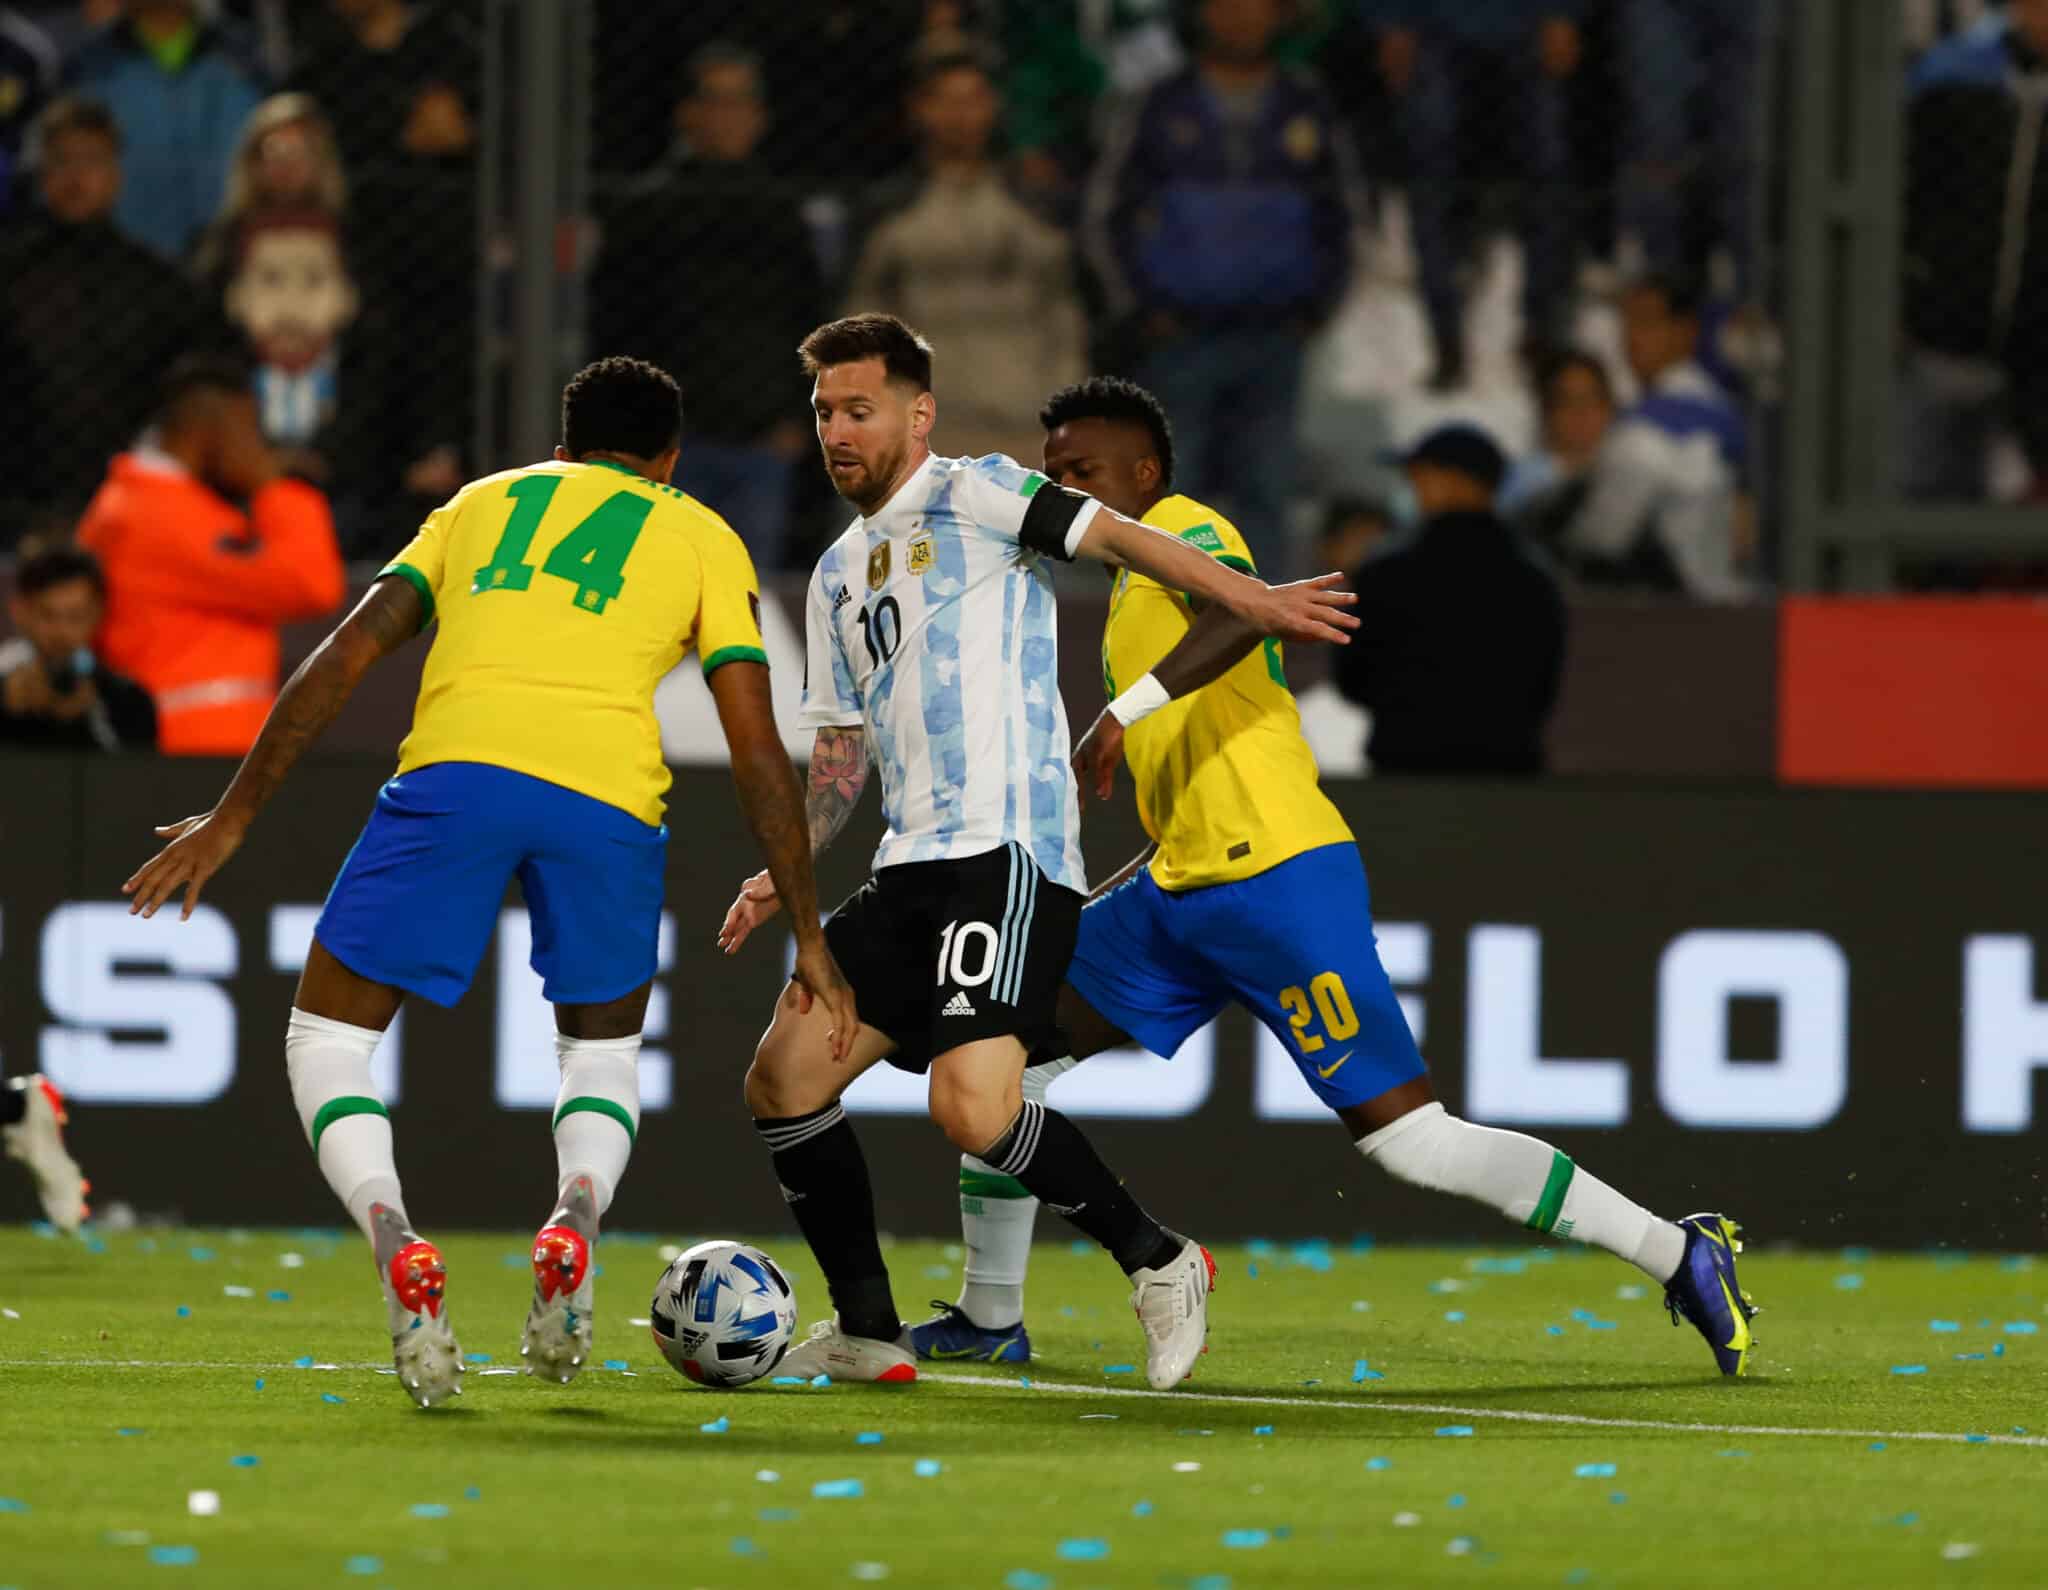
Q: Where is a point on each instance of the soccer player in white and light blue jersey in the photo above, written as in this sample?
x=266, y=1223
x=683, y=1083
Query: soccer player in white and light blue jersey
x=932, y=645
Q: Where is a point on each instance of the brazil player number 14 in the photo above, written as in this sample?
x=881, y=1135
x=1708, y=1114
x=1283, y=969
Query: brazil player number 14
x=592, y=557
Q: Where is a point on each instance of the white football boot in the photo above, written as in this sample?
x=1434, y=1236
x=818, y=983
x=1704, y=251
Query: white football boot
x=37, y=1140
x=557, y=1341
x=415, y=1282
x=1172, y=1303
x=830, y=1351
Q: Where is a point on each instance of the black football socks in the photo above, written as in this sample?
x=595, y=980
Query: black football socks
x=824, y=1180
x=1059, y=1167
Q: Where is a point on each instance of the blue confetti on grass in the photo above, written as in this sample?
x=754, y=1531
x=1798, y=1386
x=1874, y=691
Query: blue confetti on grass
x=1376, y=1465
x=1978, y=1356
x=1617, y=1497
x=1553, y=1330
x=743, y=1547
x=1998, y=1349
x=717, y=1426
x=1454, y=1429
x=184, y=1312
x=1455, y=1316
x=363, y=1566
x=430, y=1509
x=1600, y=1325
x=1078, y=1245
x=789, y=1380
x=1252, y=1270
x=259, y=1382
x=12, y=1504
x=1262, y=1429
x=1245, y=1539
x=279, y=1297
x=927, y=1468
x=328, y=1396
x=1909, y=1369
x=1907, y=1520
x=1141, y=1509
x=1944, y=1325
x=174, y=1556
x=128, y=1429
x=1085, y=1548
x=1455, y=1500
x=201, y=1255
x=1361, y=1371
x=1877, y=1446
x=1733, y=1451
x=830, y=1490
x=247, y=1460
x=617, y=1363
x=304, y=1361
x=476, y=1358
x=1594, y=1471
x=1025, y=1579
x=821, y=1380
x=472, y=1494
x=777, y=1515
x=1119, y=1369
x=868, y=1438
x=1210, y=1581
x=1848, y=1283
x=2021, y=1327
x=1976, y=1440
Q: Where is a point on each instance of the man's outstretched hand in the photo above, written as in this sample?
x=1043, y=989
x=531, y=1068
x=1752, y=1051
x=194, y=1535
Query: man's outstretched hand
x=757, y=902
x=199, y=847
x=1099, y=755
x=1307, y=610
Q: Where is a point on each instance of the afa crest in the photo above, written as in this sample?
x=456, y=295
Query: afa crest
x=878, y=567
x=921, y=559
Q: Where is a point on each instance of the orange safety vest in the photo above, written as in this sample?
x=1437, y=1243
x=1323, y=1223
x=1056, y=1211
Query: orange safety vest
x=197, y=589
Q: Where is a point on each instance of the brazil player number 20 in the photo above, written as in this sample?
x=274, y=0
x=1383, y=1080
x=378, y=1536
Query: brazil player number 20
x=592, y=557
x=1331, y=1003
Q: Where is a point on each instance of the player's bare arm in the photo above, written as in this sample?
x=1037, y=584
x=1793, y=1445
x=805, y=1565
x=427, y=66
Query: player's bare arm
x=839, y=772
x=389, y=615
x=1310, y=610
x=767, y=787
x=1215, y=643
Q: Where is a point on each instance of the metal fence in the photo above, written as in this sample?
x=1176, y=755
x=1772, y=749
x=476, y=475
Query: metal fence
x=1316, y=227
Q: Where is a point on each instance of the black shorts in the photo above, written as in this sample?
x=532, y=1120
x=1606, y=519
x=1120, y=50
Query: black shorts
x=942, y=953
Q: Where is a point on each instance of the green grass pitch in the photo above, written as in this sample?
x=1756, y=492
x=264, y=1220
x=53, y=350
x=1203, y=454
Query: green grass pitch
x=140, y=1367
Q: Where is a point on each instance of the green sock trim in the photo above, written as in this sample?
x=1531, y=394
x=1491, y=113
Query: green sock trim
x=340, y=1109
x=603, y=1107
x=1551, y=1204
x=986, y=1184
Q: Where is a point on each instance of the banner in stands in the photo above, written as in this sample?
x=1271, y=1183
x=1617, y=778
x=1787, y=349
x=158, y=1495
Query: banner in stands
x=1824, y=1012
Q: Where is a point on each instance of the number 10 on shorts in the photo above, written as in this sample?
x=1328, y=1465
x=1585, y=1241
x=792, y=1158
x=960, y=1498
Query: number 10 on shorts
x=955, y=951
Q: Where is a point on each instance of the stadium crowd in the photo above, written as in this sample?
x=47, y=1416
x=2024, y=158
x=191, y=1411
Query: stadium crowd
x=1316, y=228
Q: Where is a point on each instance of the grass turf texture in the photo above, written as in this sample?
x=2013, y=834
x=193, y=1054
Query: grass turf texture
x=613, y=1481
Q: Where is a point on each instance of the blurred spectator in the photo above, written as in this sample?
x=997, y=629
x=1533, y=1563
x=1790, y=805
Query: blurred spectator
x=54, y=693
x=1511, y=61
x=197, y=586
x=72, y=23
x=1353, y=530
x=1221, y=220
x=1064, y=59
x=1688, y=78
x=707, y=271
x=28, y=73
x=286, y=159
x=89, y=319
x=959, y=256
x=1662, y=501
x=1545, y=490
x=180, y=91
x=1976, y=270
x=1460, y=645
x=399, y=78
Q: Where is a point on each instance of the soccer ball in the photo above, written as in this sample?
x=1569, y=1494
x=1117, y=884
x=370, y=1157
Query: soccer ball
x=723, y=1314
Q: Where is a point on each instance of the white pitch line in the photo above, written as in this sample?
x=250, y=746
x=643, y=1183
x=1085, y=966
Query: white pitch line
x=1515, y=1415
x=1244, y=1398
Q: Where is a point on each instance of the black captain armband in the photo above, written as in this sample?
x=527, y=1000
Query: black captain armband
x=1049, y=520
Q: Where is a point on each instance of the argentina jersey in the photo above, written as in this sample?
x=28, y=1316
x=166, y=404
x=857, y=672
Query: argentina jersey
x=931, y=622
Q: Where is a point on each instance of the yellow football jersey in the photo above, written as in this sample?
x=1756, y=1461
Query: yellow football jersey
x=1226, y=784
x=564, y=593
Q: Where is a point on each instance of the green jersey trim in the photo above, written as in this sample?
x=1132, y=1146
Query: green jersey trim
x=418, y=581
x=726, y=654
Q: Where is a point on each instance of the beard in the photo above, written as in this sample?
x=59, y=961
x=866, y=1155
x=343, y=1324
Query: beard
x=865, y=483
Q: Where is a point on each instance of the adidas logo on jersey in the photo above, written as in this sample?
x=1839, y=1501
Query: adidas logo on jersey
x=958, y=1006
x=841, y=599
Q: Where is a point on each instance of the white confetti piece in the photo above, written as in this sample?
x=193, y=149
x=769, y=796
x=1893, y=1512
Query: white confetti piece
x=238, y=1291
x=1957, y=1550
x=9, y=1313
x=1185, y=1466
x=202, y=1504
x=1407, y=1520
x=292, y=1261
x=639, y=1322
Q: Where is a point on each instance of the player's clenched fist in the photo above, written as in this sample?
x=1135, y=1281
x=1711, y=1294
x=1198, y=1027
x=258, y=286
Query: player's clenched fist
x=757, y=902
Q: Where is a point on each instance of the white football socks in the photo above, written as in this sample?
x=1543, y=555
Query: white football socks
x=597, y=1111
x=996, y=1217
x=345, y=1121
x=1526, y=1180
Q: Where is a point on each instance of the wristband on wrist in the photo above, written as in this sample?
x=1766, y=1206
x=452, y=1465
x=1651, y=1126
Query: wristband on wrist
x=1143, y=699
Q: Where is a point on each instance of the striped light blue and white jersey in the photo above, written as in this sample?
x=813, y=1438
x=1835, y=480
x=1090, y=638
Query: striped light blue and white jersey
x=931, y=622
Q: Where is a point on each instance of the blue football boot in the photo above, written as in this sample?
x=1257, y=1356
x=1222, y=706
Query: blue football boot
x=1705, y=1293
x=952, y=1335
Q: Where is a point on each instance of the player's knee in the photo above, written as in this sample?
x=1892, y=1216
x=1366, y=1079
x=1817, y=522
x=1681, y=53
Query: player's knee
x=775, y=1087
x=971, y=1119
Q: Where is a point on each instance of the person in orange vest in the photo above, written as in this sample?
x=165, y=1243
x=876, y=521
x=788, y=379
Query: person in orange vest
x=197, y=586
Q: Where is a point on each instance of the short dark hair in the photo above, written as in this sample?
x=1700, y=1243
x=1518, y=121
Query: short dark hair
x=1111, y=397
x=621, y=405
x=1555, y=366
x=77, y=113
x=44, y=564
x=192, y=374
x=723, y=53
x=904, y=353
x=1684, y=295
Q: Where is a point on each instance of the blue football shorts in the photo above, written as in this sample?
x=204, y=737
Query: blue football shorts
x=1293, y=944
x=416, y=902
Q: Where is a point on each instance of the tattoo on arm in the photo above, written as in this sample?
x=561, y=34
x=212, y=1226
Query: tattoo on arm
x=383, y=621
x=839, y=771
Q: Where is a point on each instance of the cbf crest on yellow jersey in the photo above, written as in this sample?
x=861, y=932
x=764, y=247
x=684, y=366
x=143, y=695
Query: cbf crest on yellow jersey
x=1226, y=784
x=564, y=592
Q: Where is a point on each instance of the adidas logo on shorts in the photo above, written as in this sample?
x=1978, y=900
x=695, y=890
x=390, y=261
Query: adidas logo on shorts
x=958, y=1006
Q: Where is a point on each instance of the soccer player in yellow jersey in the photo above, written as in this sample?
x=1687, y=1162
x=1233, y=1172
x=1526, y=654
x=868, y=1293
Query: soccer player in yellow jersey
x=563, y=592
x=1253, y=892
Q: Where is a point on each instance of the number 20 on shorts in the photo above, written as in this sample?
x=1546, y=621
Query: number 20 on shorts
x=1324, y=998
